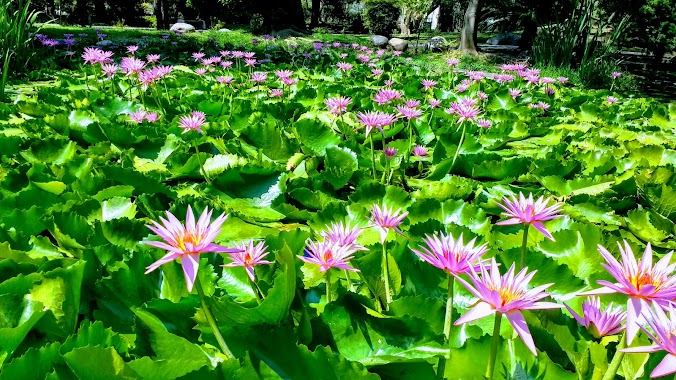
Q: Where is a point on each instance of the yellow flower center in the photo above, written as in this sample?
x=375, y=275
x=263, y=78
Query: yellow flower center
x=247, y=258
x=328, y=255
x=507, y=294
x=642, y=279
x=188, y=238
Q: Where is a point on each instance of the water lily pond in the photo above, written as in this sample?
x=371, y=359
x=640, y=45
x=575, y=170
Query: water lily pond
x=331, y=211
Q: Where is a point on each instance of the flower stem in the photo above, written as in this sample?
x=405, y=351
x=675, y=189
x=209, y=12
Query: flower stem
x=328, y=285
x=462, y=139
x=617, y=360
x=204, y=172
x=212, y=320
x=254, y=287
x=373, y=157
x=386, y=278
x=349, y=280
x=448, y=322
x=524, y=247
x=494, y=346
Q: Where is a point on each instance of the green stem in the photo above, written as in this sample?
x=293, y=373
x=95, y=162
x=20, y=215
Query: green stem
x=212, y=320
x=462, y=139
x=373, y=156
x=524, y=247
x=254, y=287
x=448, y=322
x=204, y=172
x=617, y=360
x=494, y=346
x=386, y=278
x=349, y=280
x=328, y=285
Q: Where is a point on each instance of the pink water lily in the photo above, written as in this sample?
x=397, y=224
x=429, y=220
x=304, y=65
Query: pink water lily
x=187, y=241
x=524, y=210
x=506, y=294
x=195, y=121
x=344, y=235
x=641, y=281
x=375, y=119
x=600, y=322
x=328, y=255
x=248, y=256
x=452, y=256
x=338, y=105
x=386, y=219
x=663, y=336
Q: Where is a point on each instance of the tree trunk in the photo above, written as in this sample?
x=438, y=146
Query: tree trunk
x=530, y=29
x=405, y=24
x=469, y=29
x=316, y=10
x=445, y=16
x=161, y=14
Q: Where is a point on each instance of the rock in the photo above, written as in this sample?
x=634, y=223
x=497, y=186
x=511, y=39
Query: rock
x=286, y=33
x=504, y=39
x=182, y=27
x=398, y=44
x=224, y=30
x=105, y=43
x=422, y=46
x=378, y=41
x=437, y=43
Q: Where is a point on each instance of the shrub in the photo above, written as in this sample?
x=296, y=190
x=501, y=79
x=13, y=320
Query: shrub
x=16, y=22
x=380, y=16
x=256, y=23
x=579, y=42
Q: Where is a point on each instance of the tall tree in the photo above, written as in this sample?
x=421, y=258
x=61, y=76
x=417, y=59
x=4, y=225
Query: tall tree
x=162, y=14
x=316, y=11
x=445, y=15
x=469, y=27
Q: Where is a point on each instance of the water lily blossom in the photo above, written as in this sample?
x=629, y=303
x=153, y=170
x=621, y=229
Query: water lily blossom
x=386, y=219
x=524, y=210
x=643, y=282
x=599, y=322
x=187, y=241
x=328, y=255
x=248, y=255
x=194, y=121
x=506, y=294
x=450, y=255
x=375, y=119
x=664, y=338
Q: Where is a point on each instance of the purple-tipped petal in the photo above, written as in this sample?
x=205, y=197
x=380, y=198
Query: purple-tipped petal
x=634, y=310
x=641, y=349
x=477, y=312
x=190, y=265
x=517, y=321
x=165, y=259
x=666, y=367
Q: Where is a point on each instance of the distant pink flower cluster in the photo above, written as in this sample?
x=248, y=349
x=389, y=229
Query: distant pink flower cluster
x=96, y=56
x=344, y=66
x=513, y=67
x=539, y=105
x=140, y=116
